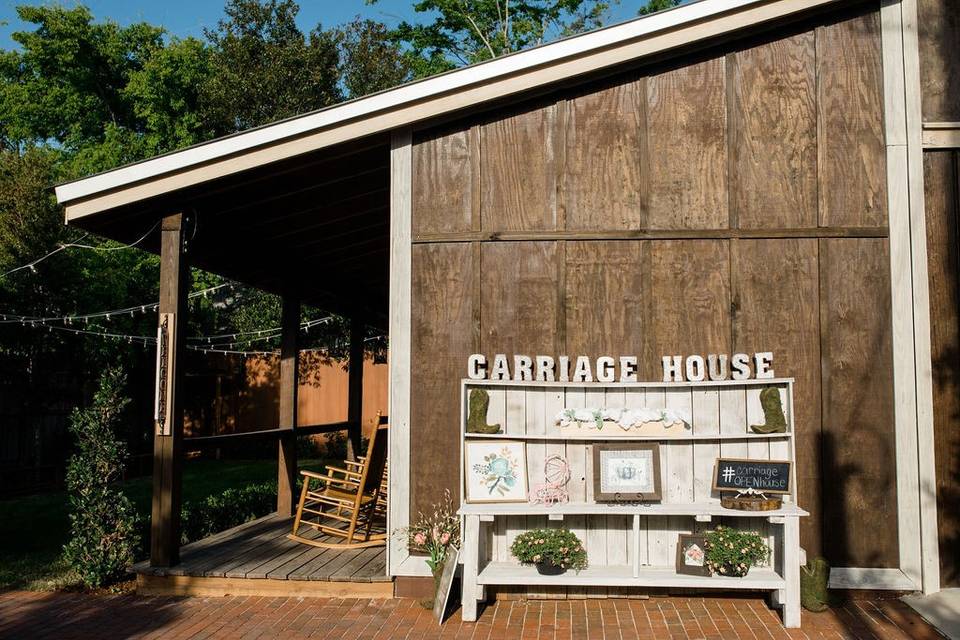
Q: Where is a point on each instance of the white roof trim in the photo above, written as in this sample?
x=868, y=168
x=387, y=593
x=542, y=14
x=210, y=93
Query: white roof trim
x=409, y=94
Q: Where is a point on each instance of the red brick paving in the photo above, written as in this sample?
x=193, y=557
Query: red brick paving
x=64, y=616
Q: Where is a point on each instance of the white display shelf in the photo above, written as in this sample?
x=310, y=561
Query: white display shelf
x=642, y=509
x=623, y=534
x=505, y=573
x=628, y=437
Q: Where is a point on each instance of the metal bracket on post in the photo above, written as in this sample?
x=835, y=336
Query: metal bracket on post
x=163, y=398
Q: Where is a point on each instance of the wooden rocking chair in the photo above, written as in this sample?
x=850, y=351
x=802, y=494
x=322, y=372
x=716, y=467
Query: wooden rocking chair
x=345, y=504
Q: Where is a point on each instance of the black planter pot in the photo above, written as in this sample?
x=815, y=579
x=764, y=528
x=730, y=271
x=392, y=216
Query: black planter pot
x=549, y=569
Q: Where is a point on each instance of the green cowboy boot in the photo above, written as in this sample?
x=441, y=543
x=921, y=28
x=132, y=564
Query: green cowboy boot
x=814, y=578
x=477, y=413
x=774, y=421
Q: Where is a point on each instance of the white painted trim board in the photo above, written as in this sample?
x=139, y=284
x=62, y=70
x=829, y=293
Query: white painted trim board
x=926, y=449
x=398, y=495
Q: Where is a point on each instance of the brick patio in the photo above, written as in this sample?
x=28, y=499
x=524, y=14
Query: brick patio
x=64, y=616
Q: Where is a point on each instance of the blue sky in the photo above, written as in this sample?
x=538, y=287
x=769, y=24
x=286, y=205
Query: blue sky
x=189, y=17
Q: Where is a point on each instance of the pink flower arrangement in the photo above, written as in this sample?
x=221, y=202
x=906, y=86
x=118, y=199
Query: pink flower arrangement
x=435, y=534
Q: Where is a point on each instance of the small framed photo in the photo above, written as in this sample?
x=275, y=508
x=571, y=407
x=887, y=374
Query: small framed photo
x=627, y=472
x=692, y=555
x=445, y=584
x=495, y=471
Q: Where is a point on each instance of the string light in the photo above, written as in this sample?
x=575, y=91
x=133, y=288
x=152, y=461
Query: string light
x=143, y=340
x=211, y=344
x=10, y=318
x=259, y=334
x=206, y=346
x=231, y=351
x=75, y=244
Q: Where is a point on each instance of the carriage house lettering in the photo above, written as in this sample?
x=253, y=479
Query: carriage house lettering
x=677, y=368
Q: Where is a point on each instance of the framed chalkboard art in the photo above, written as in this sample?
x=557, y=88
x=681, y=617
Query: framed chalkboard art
x=626, y=472
x=760, y=476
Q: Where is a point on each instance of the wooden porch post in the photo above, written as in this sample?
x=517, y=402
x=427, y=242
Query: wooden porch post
x=289, y=381
x=355, y=387
x=168, y=426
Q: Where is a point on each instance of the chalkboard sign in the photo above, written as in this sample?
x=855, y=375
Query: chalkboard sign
x=763, y=476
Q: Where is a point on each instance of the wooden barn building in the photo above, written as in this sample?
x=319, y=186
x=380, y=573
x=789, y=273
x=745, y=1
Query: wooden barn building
x=727, y=176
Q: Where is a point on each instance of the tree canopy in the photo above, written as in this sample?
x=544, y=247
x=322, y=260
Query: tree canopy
x=652, y=6
x=264, y=68
x=467, y=31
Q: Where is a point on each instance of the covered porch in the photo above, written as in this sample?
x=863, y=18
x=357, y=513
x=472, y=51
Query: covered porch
x=312, y=229
x=257, y=558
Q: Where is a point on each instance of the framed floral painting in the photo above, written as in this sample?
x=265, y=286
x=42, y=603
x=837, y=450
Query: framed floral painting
x=495, y=471
x=692, y=555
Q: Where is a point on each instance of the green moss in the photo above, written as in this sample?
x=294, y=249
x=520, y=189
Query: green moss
x=477, y=413
x=814, y=578
x=774, y=420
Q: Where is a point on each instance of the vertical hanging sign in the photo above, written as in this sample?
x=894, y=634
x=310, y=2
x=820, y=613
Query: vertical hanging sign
x=163, y=400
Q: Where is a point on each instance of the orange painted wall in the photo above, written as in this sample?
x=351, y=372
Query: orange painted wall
x=231, y=395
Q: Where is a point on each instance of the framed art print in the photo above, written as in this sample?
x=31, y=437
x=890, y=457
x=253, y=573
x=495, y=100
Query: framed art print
x=692, y=555
x=495, y=471
x=445, y=584
x=626, y=472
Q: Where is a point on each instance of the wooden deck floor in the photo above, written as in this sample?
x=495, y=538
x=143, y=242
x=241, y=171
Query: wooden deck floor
x=257, y=557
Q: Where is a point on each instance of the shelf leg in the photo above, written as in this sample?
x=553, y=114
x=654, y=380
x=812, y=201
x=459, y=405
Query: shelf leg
x=471, y=561
x=483, y=556
x=791, y=573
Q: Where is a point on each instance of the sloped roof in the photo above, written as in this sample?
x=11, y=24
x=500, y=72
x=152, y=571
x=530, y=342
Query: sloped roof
x=418, y=101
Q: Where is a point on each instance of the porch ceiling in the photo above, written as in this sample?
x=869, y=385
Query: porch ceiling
x=315, y=226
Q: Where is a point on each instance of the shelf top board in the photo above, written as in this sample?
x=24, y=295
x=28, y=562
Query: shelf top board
x=788, y=509
x=627, y=436
x=706, y=384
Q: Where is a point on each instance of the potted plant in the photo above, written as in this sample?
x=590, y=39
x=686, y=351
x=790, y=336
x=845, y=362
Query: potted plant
x=552, y=551
x=434, y=535
x=731, y=552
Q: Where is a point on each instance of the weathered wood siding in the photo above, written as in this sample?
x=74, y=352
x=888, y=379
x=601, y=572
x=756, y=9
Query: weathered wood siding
x=939, y=34
x=942, y=186
x=731, y=200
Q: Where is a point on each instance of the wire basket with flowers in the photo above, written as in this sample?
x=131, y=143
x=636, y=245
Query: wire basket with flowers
x=731, y=552
x=553, y=551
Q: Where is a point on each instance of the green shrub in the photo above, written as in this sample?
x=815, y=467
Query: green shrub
x=103, y=522
x=731, y=552
x=559, y=547
x=336, y=445
x=308, y=447
x=229, y=509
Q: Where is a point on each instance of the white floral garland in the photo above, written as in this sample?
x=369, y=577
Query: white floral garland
x=626, y=419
